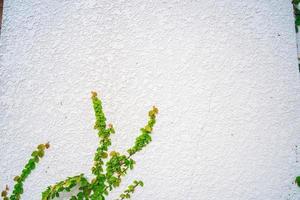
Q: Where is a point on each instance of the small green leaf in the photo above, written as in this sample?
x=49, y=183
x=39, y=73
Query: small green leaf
x=297, y=181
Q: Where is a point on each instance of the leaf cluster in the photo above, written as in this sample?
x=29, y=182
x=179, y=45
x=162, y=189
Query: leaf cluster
x=296, y=14
x=297, y=181
x=130, y=190
x=108, y=168
x=28, y=168
x=66, y=186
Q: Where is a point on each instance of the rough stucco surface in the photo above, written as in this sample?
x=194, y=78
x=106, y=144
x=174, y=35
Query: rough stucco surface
x=223, y=73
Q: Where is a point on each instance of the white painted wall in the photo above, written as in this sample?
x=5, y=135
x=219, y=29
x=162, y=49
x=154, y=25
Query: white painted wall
x=223, y=73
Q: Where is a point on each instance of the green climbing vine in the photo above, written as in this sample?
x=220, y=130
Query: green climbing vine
x=108, y=168
x=297, y=22
x=297, y=181
x=296, y=13
x=130, y=190
x=31, y=164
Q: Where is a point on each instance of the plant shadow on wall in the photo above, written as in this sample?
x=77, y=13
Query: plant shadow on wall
x=105, y=180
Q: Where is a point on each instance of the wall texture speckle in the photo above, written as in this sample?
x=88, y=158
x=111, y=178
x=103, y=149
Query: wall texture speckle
x=224, y=75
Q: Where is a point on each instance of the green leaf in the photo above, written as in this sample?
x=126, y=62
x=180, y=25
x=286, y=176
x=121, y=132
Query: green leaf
x=296, y=2
x=141, y=183
x=297, y=181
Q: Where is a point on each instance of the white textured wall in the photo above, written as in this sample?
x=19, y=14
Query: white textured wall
x=223, y=73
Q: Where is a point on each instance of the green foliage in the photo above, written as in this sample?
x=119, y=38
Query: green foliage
x=297, y=181
x=108, y=168
x=130, y=190
x=296, y=13
x=297, y=17
x=31, y=164
x=66, y=185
